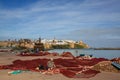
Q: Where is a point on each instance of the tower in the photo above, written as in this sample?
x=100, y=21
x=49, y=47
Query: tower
x=38, y=46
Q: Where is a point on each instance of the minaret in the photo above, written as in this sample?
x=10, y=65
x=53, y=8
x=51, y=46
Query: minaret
x=54, y=40
x=39, y=40
x=9, y=42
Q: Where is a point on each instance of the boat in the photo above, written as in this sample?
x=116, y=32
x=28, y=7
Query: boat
x=116, y=65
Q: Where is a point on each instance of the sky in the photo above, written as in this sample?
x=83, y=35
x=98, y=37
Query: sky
x=96, y=22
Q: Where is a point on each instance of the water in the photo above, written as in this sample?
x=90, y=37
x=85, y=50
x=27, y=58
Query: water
x=96, y=53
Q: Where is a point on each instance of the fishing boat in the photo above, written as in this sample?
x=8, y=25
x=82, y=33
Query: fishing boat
x=116, y=65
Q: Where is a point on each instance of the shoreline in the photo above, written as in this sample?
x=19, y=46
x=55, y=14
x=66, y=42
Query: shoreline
x=106, y=48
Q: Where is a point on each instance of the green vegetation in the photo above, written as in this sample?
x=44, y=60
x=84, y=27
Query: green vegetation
x=79, y=46
x=68, y=46
x=60, y=46
x=19, y=48
x=1, y=46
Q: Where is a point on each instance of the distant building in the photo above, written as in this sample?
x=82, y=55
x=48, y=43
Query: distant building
x=41, y=45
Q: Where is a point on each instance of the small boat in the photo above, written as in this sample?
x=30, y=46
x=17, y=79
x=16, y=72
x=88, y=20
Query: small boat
x=90, y=55
x=85, y=55
x=82, y=55
x=116, y=65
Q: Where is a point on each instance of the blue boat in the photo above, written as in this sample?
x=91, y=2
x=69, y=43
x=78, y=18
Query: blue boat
x=81, y=55
x=116, y=65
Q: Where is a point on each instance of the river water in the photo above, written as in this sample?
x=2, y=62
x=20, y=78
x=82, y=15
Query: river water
x=109, y=54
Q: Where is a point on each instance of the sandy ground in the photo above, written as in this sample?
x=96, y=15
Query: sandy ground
x=7, y=58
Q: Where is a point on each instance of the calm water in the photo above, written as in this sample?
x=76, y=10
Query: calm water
x=96, y=53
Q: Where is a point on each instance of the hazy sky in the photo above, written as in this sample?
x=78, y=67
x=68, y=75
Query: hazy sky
x=96, y=22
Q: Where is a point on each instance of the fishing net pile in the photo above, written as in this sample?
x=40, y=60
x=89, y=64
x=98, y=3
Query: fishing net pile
x=117, y=60
x=105, y=66
x=45, y=53
x=38, y=54
x=72, y=68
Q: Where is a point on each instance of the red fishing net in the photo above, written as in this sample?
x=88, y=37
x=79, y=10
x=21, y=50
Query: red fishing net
x=73, y=68
x=38, y=54
x=67, y=54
